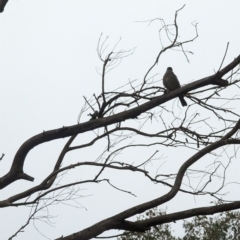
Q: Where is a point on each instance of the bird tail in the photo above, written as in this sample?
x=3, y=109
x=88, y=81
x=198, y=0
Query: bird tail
x=182, y=100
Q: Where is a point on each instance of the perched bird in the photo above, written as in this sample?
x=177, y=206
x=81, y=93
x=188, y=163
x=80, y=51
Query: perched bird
x=93, y=115
x=170, y=82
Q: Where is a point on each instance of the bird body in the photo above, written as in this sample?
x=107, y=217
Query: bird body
x=93, y=115
x=170, y=82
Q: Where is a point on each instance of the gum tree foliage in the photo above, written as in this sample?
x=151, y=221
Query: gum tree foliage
x=163, y=231
x=124, y=115
x=222, y=226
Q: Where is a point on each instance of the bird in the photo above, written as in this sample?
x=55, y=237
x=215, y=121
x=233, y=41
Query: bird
x=170, y=82
x=93, y=115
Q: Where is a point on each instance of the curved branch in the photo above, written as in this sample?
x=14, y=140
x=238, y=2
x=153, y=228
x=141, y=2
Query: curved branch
x=118, y=221
x=16, y=170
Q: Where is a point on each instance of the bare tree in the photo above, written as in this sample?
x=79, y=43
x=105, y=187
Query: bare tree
x=122, y=115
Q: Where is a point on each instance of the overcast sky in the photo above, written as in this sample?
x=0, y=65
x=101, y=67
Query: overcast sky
x=48, y=62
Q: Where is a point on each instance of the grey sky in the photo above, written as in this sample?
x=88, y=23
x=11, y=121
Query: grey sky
x=48, y=61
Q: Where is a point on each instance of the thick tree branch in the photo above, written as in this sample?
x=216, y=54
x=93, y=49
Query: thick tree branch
x=139, y=226
x=46, y=184
x=18, y=162
x=189, y=213
x=2, y=5
x=118, y=220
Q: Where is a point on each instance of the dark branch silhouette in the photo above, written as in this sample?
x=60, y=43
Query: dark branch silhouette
x=121, y=119
x=2, y=5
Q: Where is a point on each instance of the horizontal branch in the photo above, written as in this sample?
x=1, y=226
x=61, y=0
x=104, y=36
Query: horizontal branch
x=143, y=225
x=189, y=213
x=18, y=162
